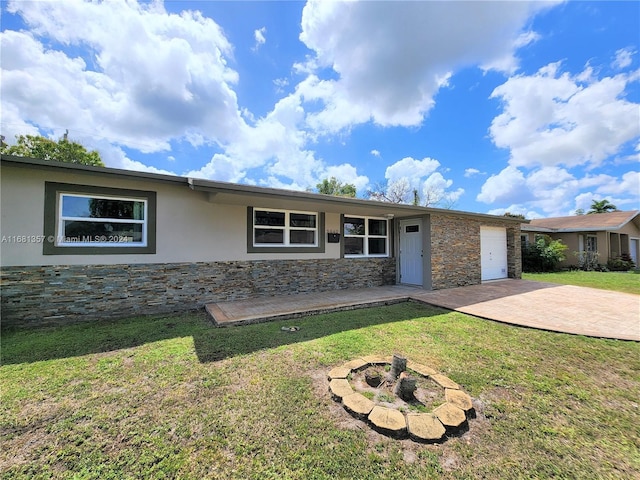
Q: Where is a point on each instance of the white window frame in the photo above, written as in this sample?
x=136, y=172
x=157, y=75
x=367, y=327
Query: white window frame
x=367, y=236
x=591, y=246
x=287, y=229
x=64, y=240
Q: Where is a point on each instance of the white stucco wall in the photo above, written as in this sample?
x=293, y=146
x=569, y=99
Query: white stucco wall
x=191, y=227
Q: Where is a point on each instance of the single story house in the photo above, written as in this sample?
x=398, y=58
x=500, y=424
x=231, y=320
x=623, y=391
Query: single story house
x=82, y=242
x=605, y=236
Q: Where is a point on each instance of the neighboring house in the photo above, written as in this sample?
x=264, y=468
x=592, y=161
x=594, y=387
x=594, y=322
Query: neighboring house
x=82, y=242
x=603, y=235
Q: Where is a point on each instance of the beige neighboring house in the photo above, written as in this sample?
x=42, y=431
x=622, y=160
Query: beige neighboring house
x=607, y=235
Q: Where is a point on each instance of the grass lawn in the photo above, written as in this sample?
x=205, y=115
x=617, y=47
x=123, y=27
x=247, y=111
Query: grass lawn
x=174, y=397
x=627, y=282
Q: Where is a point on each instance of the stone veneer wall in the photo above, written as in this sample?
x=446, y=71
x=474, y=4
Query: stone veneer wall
x=455, y=250
x=33, y=296
x=514, y=251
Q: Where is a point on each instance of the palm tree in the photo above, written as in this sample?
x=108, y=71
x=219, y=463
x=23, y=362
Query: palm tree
x=602, y=206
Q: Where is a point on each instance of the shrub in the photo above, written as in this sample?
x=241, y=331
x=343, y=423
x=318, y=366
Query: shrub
x=623, y=263
x=544, y=255
x=587, y=261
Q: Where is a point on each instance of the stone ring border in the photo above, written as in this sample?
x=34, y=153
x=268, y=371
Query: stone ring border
x=450, y=417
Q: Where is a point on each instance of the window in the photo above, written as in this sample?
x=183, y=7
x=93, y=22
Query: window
x=592, y=243
x=89, y=220
x=365, y=237
x=274, y=230
x=524, y=239
x=101, y=221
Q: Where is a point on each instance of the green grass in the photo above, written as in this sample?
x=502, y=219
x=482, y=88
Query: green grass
x=173, y=397
x=627, y=282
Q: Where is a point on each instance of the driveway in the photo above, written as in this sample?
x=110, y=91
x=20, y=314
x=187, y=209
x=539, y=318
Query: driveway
x=546, y=306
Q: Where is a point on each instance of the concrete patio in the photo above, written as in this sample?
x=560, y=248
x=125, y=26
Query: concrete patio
x=561, y=308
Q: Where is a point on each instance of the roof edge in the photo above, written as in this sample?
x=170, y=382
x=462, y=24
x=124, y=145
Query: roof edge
x=199, y=184
x=81, y=168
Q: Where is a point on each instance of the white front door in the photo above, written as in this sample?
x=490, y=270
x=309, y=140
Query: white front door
x=493, y=253
x=411, y=251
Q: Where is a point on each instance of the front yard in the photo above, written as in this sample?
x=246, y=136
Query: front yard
x=173, y=397
x=627, y=282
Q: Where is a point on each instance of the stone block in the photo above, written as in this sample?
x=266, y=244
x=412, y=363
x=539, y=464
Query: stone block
x=425, y=427
x=358, y=404
x=377, y=359
x=458, y=398
x=388, y=420
x=356, y=364
x=340, y=388
x=451, y=416
x=444, y=382
x=421, y=369
x=339, y=372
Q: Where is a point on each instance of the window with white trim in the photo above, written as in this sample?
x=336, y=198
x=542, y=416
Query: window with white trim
x=93, y=220
x=284, y=228
x=366, y=236
x=101, y=221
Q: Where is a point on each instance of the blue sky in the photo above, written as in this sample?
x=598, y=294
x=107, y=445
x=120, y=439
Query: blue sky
x=526, y=107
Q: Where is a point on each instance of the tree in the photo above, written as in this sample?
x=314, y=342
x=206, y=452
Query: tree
x=602, y=206
x=579, y=211
x=398, y=191
x=37, y=146
x=401, y=191
x=331, y=186
x=513, y=215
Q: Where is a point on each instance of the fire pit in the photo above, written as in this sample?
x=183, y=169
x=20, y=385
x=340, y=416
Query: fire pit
x=401, y=398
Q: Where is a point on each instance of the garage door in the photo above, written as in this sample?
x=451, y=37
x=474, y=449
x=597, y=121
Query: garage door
x=493, y=252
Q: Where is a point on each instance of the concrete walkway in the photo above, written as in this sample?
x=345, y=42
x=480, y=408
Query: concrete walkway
x=547, y=306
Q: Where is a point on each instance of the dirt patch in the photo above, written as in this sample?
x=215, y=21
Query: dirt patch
x=428, y=394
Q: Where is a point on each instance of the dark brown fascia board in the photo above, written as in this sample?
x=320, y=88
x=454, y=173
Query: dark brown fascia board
x=89, y=169
x=234, y=188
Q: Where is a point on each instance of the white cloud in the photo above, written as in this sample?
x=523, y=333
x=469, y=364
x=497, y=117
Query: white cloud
x=375, y=153
x=409, y=175
x=548, y=118
x=389, y=76
x=222, y=168
x=508, y=63
x=471, y=172
x=347, y=173
x=435, y=190
x=628, y=185
x=281, y=84
x=516, y=210
x=119, y=91
x=560, y=130
x=115, y=157
x=624, y=58
x=507, y=186
x=258, y=35
x=411, y=168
